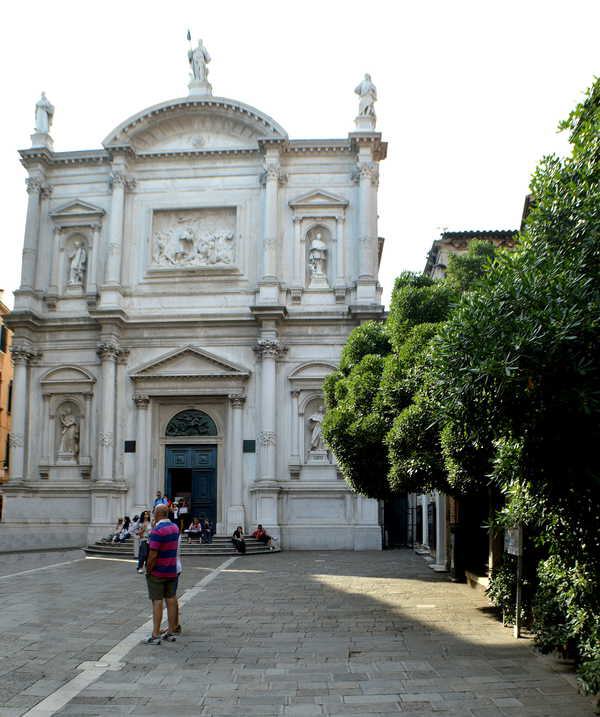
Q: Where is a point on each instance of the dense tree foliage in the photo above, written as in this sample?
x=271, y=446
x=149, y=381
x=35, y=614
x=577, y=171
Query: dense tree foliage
x=516, y=383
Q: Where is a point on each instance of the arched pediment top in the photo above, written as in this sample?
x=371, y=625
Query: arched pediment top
x=67, y=374
x=193, y=124
x=312, y=370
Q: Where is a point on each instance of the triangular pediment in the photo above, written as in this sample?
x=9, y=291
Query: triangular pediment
x=319, y=198
x=189, y=362
x=77, y=208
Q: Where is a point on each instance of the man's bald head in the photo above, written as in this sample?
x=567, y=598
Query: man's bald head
x=161, y=511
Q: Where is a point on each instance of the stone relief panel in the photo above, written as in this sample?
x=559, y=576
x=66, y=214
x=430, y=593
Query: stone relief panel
x=193, y=238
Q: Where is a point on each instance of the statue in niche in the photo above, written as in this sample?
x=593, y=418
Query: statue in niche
x=317, y=261
x=44, y=112
x=199, y=59
x=77, y=264
x=316, y=437
x=69, y=438
x=367, y=92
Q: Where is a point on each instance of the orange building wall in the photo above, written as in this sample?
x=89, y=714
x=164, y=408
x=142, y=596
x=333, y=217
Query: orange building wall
x=6, y=376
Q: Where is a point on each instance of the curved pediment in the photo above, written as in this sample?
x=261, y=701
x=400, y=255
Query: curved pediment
x=195, y=124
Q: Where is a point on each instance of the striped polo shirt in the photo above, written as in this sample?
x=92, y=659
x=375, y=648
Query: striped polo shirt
x=164, y=539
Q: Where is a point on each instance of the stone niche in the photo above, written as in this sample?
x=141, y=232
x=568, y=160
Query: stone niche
x=194, y=239
x=67, y=393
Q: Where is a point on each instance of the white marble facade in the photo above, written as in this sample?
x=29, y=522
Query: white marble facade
x=200, y=260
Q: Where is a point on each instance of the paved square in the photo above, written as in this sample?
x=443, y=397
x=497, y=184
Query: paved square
x=330, y=633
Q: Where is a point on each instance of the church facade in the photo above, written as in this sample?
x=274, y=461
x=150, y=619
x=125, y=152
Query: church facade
x=185, y=291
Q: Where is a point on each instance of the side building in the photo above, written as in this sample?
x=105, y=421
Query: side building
x=6, y=388
x=449, y=531
x=185, y=290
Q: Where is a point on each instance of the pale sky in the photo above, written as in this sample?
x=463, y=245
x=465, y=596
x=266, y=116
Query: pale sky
x=470, y=92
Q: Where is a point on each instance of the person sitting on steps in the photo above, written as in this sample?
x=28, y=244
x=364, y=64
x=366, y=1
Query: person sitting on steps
x=261, y=535
x=238, y=540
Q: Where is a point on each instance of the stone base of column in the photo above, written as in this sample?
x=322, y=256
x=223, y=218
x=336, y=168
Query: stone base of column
x=438, y=568
x=267, y=509
x=268, y=292
x=110, y=298
x=236, y=515
x=366, y=291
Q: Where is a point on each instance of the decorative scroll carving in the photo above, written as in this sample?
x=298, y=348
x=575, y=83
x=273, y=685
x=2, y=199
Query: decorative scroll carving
x=267, y=438
x=190, y=238
x=191, y=423
x=16, y=440
x=368, y=170
x=269, y=348
x=105, y=439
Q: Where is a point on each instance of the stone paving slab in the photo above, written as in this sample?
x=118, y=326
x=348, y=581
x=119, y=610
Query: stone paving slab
x=327, y=633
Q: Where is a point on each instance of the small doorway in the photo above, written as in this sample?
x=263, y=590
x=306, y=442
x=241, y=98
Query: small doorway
x=191, y=473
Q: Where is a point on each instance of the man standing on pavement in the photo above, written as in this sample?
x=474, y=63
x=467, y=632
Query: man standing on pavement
x=161, y=574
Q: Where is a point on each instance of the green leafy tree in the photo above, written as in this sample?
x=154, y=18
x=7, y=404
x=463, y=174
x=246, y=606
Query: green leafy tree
x=516, y=383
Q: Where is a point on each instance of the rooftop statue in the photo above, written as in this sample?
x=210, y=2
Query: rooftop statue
x=367, y=92
x=44, y=112
x=199, y=59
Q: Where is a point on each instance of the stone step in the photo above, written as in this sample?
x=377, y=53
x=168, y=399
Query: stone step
x=221, y=545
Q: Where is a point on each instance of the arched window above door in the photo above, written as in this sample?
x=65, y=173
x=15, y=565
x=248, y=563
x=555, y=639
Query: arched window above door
x=191, y=423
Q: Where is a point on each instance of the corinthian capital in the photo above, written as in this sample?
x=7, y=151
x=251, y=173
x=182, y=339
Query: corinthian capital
x=141, y=400
x=269, y=348
x=366, y=170
x=237, y=400
x=120, y=178
x=34, y=185
x=108, y=350
x=273, y=173
x=22, y=354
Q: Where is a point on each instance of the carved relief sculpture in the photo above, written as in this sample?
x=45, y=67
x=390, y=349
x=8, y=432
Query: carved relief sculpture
x=194, y=238
x=77, y=264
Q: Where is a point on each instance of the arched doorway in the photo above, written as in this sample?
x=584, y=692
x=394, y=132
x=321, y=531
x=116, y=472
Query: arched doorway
x=191, y=470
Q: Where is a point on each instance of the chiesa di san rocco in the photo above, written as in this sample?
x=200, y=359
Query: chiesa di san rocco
x=185, y=290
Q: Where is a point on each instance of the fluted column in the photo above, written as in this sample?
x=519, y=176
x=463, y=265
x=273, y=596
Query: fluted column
x=35, y=186
x=295, y=458
x=142, y=446
x=120, y=182
x=21, y=358
x=236, y=514
x=368, y=177
x=272, y=177
x=42, y=258
x=91, y=280
x=424, y=503
x=108, y=353
x=268, y=350
x=441, y=547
